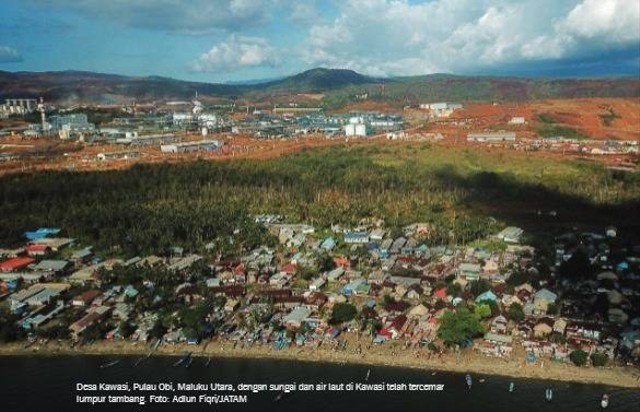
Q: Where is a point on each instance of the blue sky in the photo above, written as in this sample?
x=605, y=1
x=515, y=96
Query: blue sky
x=231, y=40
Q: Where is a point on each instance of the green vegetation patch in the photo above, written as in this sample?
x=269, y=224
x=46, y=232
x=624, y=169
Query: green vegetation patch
x=552, y=130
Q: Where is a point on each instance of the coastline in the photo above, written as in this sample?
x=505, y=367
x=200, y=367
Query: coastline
x=465, y=362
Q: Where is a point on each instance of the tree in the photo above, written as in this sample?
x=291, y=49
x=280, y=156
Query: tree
x=458, y=326
x=158, y=331
x=553, y=309
x=306, y=272
x=493, y=305
x=599, y=359
x=326, y=262
x=515, y=312
x=454, y=289
x=578, y=357
x=343, y=312
x=483, y=310
x=478, y=287
x=126, y=329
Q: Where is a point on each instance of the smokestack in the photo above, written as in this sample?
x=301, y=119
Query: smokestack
x=43, y=117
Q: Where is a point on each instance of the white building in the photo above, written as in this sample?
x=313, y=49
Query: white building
x=517, y=120
x=355, y=129
x=440, y=109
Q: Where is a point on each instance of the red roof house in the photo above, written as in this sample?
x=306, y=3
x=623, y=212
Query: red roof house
x=14, y=264
x=342, y=262
x=441, y=293
x=37, y=250
x=289, y=269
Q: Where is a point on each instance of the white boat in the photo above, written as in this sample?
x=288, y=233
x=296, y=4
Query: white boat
x=604, y=403
x=548, y=394
x=366, y=378
x=512, y=386
x=469, y=381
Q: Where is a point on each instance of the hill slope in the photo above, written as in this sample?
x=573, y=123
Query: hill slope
x=341, y=86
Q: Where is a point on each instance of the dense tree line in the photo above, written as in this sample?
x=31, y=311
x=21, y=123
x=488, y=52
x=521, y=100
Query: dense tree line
x=148, y=208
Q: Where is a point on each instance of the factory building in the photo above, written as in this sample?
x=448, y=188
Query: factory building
x=76, y=122
x=195, y=146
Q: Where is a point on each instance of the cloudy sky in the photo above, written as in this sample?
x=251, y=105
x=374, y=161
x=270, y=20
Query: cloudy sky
x=230, y=40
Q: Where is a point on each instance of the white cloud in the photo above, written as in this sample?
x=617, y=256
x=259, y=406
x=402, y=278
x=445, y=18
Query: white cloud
x=610, y=20
x=303, y=12
x=236, y=53
x=400, y=37
x=9, y=55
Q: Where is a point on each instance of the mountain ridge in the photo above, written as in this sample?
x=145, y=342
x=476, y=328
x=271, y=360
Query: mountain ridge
x=75, y=85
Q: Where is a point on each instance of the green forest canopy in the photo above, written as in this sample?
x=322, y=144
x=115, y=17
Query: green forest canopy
x=149, y=207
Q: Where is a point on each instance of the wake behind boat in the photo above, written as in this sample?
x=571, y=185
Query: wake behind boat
x=110, y=364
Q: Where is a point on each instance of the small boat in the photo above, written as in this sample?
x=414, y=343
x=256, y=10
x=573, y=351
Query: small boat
x=512, y=386
x=469, y=381
x=481, y=380
x=110, y=364
x=188, y=363
x=184, y=359
x=366, y=378
x=208, y=361
x=604, y=403
x=548, y=394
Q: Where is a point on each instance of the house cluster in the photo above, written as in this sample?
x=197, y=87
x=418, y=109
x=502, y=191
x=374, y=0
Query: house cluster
x=397, y=283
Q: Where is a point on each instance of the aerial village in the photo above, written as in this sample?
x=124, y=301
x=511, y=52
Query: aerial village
x=342, y=288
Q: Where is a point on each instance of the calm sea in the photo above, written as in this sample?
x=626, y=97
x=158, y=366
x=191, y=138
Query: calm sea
x=49, y=384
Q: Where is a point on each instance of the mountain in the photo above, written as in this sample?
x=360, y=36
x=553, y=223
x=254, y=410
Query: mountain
x=320, y=79
x=101, y=88
x=340, y=87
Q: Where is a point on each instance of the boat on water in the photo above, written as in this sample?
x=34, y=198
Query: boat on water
x=189, y=362
x=512, y=386
x=548, y=394
x=208, y=361
x=469, y=381
x=110, y=364
x=366, y=378
x=604, y=402
x=280, y=396
x=184, y=359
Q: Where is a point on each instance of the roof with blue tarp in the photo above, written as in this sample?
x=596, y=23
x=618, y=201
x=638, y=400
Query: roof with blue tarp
x=41, y=233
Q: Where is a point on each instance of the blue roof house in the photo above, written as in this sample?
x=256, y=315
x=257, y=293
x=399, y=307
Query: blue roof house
x=488, y=295
x=328, y=244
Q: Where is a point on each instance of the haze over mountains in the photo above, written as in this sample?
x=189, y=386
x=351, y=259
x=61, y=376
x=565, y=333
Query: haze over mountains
x=103, y=88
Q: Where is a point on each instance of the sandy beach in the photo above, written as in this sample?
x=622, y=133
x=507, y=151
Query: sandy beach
x=388, y=355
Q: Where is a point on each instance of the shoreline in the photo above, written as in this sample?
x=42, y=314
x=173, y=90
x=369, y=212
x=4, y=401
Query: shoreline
x=464, y=362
